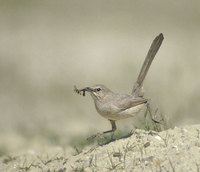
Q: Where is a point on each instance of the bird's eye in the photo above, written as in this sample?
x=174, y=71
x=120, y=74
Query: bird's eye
x=98, y=89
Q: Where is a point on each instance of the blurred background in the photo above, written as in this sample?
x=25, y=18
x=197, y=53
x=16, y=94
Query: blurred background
x=48, y=46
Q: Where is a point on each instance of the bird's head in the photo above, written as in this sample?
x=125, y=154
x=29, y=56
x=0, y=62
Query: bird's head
x=98, y=92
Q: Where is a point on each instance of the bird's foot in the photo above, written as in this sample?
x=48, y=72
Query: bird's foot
x=96, y=136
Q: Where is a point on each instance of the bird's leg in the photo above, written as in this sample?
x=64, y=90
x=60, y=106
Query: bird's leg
x=114, y=127
x=151, y=116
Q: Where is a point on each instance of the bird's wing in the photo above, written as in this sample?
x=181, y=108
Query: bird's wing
x=128, y=102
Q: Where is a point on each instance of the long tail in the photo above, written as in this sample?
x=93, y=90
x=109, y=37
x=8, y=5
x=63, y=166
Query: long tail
x=148, y=60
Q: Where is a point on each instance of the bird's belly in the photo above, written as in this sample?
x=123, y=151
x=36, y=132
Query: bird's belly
x=131, y=112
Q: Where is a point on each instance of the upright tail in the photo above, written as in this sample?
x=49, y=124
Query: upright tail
x=145, y=67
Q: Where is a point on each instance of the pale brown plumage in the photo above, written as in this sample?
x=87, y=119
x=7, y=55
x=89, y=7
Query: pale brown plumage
x=115, y=106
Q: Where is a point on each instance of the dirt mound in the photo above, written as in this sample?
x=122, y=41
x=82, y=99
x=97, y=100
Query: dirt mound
x=175, y=149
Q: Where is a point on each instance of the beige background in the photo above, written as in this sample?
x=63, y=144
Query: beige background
x=47, y=47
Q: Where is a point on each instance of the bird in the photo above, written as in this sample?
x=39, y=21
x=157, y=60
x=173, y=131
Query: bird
x=116, y=106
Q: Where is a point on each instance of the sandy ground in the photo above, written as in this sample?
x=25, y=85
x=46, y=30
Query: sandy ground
x=47, y=47
x=175, y=149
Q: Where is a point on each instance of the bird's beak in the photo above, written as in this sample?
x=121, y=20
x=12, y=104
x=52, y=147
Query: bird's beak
x=87, y=89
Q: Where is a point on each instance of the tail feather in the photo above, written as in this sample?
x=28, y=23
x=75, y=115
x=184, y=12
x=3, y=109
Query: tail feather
x=148, y=60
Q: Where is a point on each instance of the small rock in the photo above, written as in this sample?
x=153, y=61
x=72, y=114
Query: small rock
x=117, y=154
x=147, y=144
x=158, y=137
